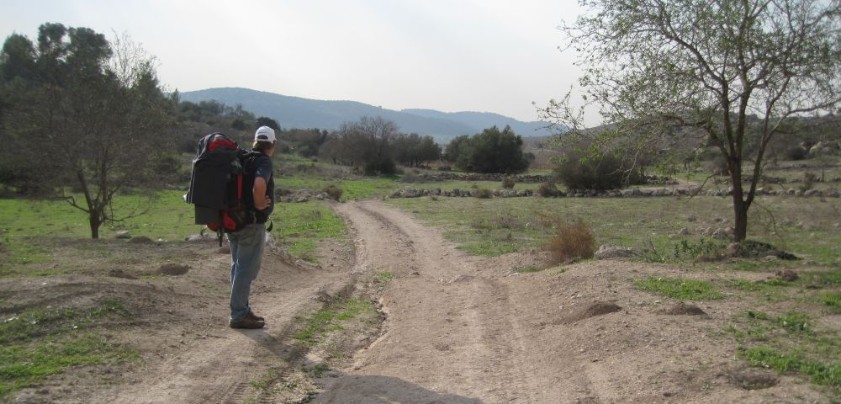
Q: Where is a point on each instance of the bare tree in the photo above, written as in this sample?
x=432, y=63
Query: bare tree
x=366, y=143
x=738, y=71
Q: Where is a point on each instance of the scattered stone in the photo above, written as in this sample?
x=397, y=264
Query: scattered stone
x=123, y=234
x=174, y=269
x=757, y=249
x=612, y=252
x=200, y=237
x=723, y=233
x=681, y=309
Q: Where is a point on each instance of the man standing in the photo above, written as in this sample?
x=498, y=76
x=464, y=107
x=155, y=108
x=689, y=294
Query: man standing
x=247, y=244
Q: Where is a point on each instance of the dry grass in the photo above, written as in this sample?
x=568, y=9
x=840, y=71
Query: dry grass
x=571, y=241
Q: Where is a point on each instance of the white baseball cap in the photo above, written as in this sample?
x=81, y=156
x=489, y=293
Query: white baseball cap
x=264, y=134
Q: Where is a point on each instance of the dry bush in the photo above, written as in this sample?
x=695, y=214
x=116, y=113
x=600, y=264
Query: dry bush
x=483, y=193
x=334, y=192
x=570, y=241
x=548, y=190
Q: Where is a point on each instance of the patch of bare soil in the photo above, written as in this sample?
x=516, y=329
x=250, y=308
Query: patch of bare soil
x=467, y=329
x=680, y=309
x=456, y=329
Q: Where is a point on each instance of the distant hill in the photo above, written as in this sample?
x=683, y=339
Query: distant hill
x=303, y=113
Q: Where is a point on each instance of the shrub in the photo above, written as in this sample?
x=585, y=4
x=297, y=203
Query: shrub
x=334, y=192
x=508, y=182
x=571, y=242
x=482, y=193
x=382, y=166
x=600, y=173
x=796, y=153
x=809, y=179
x=548, y=190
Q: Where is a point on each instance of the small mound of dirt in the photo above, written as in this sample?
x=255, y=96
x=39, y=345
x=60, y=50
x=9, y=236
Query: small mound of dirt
x=758, y=249
x=225, y=249
x=174, y=269
x=592, y=310
x=682, y=309
x=753, y=379
x=141, y=240
x=786, y=275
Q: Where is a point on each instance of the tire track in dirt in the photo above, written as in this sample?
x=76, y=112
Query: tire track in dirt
x=450, y=327
x=220, y=367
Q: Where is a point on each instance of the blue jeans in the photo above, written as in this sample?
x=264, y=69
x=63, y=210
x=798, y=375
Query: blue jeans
x=246, y=256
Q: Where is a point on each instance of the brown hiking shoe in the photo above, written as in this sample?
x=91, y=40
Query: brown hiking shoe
x=254, y=317
x=247, y=323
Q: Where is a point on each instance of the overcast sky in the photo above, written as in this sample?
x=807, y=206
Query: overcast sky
x=449, y=55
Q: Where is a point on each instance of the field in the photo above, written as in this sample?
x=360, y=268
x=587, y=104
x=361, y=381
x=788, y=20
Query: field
x=71, y=307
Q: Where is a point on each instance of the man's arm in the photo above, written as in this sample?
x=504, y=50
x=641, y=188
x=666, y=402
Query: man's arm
x=261, y=201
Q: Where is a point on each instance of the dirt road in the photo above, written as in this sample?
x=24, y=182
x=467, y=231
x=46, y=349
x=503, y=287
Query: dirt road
x=457, y=329
x=467, y=329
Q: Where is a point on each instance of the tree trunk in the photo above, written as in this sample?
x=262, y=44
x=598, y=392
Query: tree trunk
x=740, y=206
x=95, y=222
x=740, y=209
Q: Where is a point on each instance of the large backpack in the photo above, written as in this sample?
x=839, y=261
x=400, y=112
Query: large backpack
x=218, y=184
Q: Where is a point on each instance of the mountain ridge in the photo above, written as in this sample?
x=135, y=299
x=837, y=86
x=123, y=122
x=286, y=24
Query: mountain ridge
x=305, y=113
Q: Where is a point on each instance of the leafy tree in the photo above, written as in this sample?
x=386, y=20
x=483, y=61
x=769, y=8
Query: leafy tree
x=265, y=121
x=709, y=65
x=458, y=151
x=496, y=151
x=581, y=171
x=85, y=111
x=413, y=149
x=492, y=151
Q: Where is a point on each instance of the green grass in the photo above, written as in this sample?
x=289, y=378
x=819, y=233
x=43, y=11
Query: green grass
x=680, y=289
x=383, y=277
x=820, y=373
x=37, y=322
x=750, y=286
x=331, y=319
x=24, y=365
x=528, y=269
x=301, y=225
x=25, y=225
x=167, y=217
x=266, y=380
x=500, y=225
x=790, y=343
x=352, y=188
x=832, y=301
x=38, y=343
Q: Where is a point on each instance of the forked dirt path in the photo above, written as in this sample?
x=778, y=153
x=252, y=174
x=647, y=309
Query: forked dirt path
x=463, y=329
